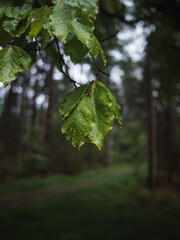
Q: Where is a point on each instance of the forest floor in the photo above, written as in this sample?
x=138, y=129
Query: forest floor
x=103, y=204
x=83, y=181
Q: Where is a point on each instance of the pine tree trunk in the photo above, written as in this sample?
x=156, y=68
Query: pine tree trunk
x=48, y=112
x=22, y=118
x=107, y=151
x=9, y=121
x=152, y=133
x=169, y=144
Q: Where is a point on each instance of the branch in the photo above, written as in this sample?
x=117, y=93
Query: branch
x=50, y=43
x=98, y=68
x=39, y=50
x=65, y=73
x=109, y=37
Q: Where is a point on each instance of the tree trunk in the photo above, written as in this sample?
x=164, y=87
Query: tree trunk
x=107, y=151
x=48, y=111
x=9, y=121
x=169, y=143
x=152, y=136
x=22, y=117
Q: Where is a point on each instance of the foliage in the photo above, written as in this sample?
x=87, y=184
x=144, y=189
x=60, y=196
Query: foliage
x=88, y=113
x=13, y=60
x=36, y=27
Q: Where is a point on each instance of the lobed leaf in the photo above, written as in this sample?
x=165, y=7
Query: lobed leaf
x=13, y=61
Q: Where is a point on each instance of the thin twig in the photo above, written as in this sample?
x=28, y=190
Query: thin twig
x=50, y=43
x=98, y=68
x=39, y=50
x=109, y=37
x=66, y=73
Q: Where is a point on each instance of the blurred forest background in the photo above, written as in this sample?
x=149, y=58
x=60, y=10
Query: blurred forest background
x=146, y=83
x=141, y=40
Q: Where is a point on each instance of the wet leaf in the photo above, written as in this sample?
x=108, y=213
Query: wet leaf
x=13, y=61
x=88, y=114
x=70, y=101
x=89, y=6
x=70, y=19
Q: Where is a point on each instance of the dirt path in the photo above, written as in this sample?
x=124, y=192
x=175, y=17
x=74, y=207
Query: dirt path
x=18, y=199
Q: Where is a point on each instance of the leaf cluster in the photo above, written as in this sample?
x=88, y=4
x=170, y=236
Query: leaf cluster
x=70, y=22
x=30, y=26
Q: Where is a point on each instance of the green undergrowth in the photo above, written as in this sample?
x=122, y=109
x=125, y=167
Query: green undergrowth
x=23, y=185
x=121, y=208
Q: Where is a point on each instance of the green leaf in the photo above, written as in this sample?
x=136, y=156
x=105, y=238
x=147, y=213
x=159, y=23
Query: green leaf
x=12, y=12
x=15, y=27
x=45, y=37
x=16, y=22
x=59, y=21
x=13, y=61
x=67, y=20
x=79, y=124
x=88, y=6
x=1, y=12
x=37, y=18
x=116, y=109
x=88, y=114
x=71, y=100
x=103, y=111
x=75, y=49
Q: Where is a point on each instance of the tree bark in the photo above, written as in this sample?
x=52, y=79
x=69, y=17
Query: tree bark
x=152, y=133
x=48, y=112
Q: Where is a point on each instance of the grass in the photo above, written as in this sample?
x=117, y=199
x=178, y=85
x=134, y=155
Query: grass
x=44, y=182
x=119, y=209
x=34, y=183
